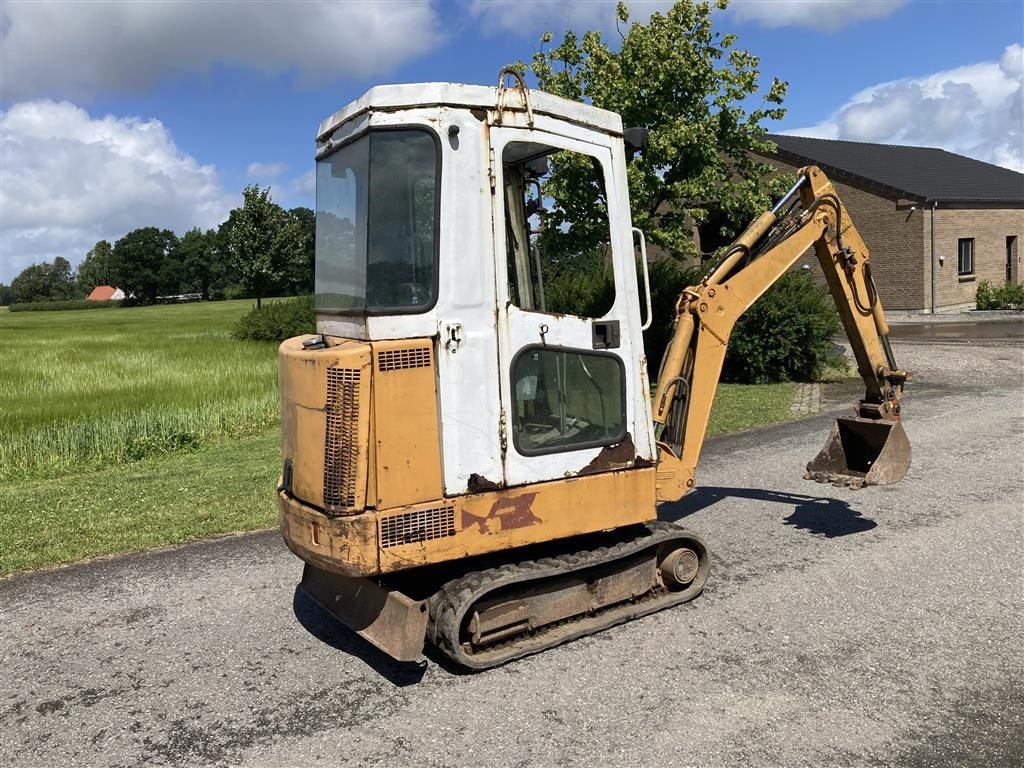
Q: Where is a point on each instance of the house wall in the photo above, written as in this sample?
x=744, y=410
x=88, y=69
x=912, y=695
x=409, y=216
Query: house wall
x=899, y=241
x=989, y=226
x=894, y=235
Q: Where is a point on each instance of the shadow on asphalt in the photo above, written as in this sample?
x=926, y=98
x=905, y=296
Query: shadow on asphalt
x=329, y=630
x=815, y=514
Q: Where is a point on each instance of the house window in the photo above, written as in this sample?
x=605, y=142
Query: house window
x=965, y=256
x=1011, y=258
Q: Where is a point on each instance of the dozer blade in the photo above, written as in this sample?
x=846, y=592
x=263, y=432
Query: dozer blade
x=862, y=452
x=390, y=620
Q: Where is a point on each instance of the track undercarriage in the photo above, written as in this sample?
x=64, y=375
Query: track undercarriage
x=502, y=611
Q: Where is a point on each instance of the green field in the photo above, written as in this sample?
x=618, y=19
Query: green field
x=90, y=389
x=123, y=429
x=127, y=428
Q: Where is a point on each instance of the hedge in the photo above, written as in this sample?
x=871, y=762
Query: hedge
x=54, y=306
x=1009, y=296
x=786, y=336
x=277, y=320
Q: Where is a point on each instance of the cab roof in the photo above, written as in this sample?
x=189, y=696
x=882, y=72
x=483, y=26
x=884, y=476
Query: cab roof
x=387, y=98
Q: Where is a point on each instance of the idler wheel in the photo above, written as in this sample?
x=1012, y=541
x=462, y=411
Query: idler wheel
x=679, y=567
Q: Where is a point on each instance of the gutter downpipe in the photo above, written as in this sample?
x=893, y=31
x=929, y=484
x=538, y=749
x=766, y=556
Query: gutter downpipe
x=935, y=204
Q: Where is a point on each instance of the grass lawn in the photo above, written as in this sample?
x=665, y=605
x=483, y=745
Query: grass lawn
x=160, y=500
x=124, y=429
x=742, y=406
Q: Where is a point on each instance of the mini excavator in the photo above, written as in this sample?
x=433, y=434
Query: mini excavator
x=472, y=456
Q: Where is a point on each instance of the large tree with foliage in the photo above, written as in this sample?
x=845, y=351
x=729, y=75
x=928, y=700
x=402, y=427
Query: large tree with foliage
x=262, y=243
x=691, y=87
x=301, y=278
x=45, y=282
x=202, y=262
x=142, y=263
x=95, y=269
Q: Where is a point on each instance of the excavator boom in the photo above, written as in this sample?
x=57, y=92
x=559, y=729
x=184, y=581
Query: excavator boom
x=868, y=449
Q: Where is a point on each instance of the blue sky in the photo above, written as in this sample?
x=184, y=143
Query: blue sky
x=127, y=114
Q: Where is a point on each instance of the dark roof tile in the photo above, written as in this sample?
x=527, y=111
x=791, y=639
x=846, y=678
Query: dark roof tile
x=916, y=172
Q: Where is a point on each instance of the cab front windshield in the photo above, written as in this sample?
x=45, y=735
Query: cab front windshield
x=376, y=216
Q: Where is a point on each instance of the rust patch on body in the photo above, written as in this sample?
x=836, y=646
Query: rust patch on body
x=618, y=456
x=506, y=513
x=479, y=484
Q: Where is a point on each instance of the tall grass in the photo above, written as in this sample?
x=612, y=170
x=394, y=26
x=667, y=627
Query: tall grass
x=81, y=390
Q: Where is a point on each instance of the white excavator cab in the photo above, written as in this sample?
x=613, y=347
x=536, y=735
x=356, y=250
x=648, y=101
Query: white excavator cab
x=435, y=219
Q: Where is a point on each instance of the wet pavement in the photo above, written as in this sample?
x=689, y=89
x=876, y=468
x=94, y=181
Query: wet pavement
x=1000, y=331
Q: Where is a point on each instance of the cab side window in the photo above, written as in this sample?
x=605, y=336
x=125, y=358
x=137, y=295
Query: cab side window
x=566, y=400
x=557, y=232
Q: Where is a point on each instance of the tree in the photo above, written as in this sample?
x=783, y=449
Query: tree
x=262, y=243
x=95, y=269
x=201, y=262
x=45, y=282
x=301, y=279
x=688, y=85
x=141, y=262
x=6, y=295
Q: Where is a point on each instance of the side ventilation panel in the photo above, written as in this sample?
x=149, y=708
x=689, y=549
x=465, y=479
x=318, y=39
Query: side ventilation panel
x=341, y=448
x=413, y=527
x=397, y=359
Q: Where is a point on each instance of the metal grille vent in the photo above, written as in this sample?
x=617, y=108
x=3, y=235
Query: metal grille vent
x=411, y=527
x=341, y=450
x=396, y=359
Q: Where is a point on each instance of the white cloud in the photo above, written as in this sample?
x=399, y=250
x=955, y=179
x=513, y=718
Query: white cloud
x=305, y=185
x=977, y=110
x=265, y=171
x=70, y=179
x=530, y=18
x=823, y=15
x=76, y=49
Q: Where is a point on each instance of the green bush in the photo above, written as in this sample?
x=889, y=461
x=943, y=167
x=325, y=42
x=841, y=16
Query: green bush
x=587, y=289
x=54, y=306
x=984, y=297
x=1009, y=296
x=785, y=336
x=277, y=320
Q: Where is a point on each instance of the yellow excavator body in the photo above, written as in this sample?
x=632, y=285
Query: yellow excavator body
x=470, y=463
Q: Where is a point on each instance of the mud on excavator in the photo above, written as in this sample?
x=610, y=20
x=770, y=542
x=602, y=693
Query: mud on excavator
x=472, y=456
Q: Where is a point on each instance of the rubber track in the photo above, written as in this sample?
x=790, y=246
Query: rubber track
x=450, y=604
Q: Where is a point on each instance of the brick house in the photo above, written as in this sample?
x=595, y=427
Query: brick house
x=917, y=206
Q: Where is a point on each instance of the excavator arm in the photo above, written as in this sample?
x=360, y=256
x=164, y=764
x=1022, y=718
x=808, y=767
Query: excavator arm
x=869, y=448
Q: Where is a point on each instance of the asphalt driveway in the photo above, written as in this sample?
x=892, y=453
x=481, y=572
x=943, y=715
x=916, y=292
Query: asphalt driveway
x=847, y=628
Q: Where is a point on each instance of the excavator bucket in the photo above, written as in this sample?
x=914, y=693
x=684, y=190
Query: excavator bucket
x=862, y=452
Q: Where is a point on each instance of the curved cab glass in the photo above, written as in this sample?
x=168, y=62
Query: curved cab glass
x=376, y=224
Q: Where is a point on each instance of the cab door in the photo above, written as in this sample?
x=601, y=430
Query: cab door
x=573, y=378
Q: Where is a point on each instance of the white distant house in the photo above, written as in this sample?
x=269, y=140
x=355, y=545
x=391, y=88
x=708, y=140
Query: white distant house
x=105, y=293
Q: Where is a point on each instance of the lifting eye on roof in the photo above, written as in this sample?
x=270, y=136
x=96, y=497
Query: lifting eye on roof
x=636, y=140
